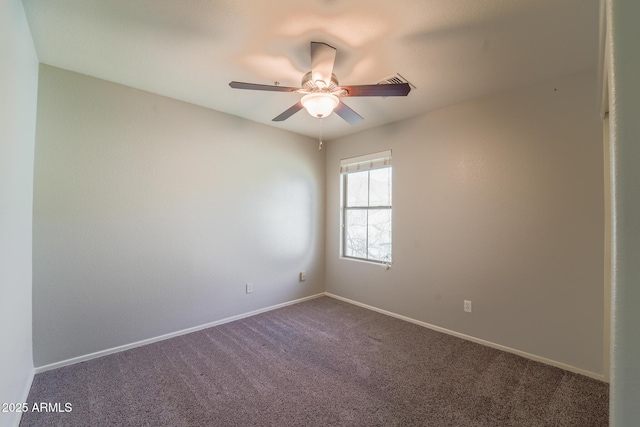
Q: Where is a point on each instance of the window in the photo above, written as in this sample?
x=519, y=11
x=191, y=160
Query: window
x=366, y=207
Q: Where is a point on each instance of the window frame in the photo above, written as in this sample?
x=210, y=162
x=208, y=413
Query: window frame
x=348, y=166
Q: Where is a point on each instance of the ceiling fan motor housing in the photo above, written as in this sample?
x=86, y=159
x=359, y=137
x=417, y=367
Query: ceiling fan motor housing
x=309, y=85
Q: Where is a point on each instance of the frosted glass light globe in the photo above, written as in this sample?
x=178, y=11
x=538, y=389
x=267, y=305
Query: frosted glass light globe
x=320, y=104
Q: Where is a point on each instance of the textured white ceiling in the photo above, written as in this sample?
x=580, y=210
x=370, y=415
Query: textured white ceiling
x=451, y=50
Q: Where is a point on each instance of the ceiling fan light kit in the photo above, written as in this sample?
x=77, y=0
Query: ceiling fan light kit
x=320, y=104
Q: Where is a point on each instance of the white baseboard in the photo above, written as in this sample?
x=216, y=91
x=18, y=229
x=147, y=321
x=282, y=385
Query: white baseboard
x=475, y=340
x=118, y=349
x=106, y=352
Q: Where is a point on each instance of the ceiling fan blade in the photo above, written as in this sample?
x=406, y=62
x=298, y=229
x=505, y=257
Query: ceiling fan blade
x=350, y=116
x=323, y=57
x=253, y=86
x=288, y=113
x=400, y=89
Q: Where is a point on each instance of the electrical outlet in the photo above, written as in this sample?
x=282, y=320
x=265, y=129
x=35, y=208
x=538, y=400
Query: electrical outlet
x=467, y=306
x=249, y=288
x=303, y=276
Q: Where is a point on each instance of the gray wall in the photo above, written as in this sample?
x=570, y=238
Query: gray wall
x=624, y=108
x=151, y=214
x=18, y=95
x=498, y=201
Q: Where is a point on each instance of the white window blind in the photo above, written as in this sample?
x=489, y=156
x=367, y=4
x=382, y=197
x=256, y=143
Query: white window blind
x=366, y=162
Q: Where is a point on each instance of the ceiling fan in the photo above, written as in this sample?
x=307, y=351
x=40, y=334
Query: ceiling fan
x=321, y=90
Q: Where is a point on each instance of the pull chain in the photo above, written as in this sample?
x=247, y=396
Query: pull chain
x=320, y=136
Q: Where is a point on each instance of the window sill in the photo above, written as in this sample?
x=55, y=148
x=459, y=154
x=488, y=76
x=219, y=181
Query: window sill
x=384, y=265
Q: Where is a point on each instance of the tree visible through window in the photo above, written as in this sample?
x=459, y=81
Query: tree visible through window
x=366, y=221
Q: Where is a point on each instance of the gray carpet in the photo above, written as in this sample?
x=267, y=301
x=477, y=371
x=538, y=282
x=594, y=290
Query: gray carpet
x=318, y=363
